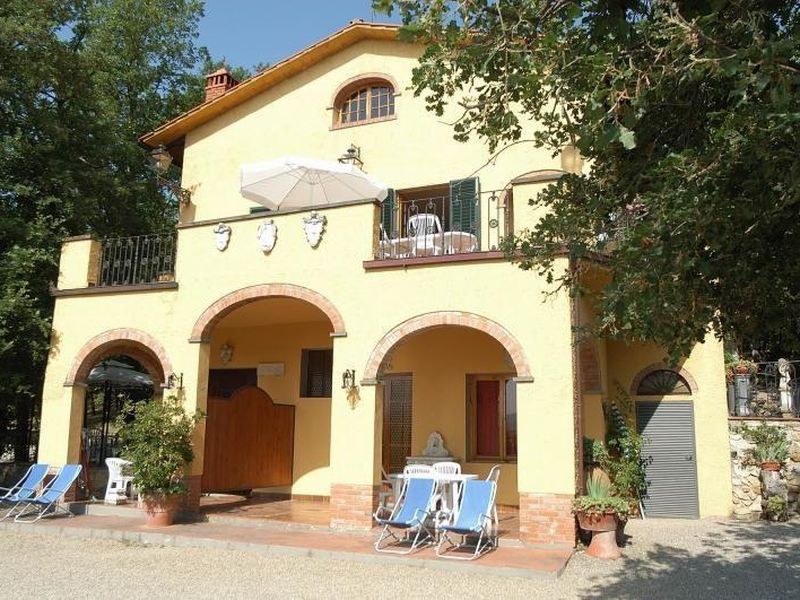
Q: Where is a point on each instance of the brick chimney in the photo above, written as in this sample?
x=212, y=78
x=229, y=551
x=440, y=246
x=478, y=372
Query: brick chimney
x=218, y=82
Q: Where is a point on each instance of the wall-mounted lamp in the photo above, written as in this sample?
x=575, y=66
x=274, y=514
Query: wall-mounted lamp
x=348, y=379
x=161, y=160
x=175, y=380
x=352, y=156
x=226, y=353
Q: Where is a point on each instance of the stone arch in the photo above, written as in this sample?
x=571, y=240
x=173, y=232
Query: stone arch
x=427, y=321
x=663, y=367
x=201, y=332
x=362, y=78
x=135, y=343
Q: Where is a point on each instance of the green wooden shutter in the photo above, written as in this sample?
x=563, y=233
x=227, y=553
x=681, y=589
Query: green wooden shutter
x=464, y=206
x=388, y=219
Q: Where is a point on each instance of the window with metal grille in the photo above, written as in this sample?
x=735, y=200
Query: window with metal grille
x=364, y=103
x=663, y=382
x=316, y=379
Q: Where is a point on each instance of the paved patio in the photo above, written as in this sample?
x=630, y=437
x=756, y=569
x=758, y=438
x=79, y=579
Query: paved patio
x=313, y=513
x=663, y=560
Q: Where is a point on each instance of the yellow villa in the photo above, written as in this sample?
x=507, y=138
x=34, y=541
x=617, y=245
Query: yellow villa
x=324, y=357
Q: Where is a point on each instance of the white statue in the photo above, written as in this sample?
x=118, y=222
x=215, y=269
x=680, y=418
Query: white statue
x=314, y=226
x=222, y=235
x=226, y=353
x=784, y=384
x=435, y=446
x=267, y=234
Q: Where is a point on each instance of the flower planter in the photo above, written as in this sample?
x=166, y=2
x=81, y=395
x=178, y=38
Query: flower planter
x=160, y=509
x=604, y=534
x=770, y=465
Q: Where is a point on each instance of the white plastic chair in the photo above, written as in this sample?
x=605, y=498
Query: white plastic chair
x=447, y=468
x=119, y=478
x=417, y=470
x=421, y=229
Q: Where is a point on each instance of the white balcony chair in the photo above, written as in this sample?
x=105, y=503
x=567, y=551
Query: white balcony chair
x=119, y=478
x=422, y=229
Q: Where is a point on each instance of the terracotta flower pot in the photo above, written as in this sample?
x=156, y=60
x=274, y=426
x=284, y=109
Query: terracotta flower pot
x=770, y=465
x=604, y=534
x=160, y=509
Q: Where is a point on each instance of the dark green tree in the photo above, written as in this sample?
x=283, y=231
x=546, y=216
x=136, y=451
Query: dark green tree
x=688, y=113
x=80, y=80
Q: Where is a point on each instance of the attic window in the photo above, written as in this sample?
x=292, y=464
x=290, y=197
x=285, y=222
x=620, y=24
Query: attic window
x=364, y=101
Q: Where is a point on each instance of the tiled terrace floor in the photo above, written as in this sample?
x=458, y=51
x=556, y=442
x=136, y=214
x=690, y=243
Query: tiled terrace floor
x=308, y=512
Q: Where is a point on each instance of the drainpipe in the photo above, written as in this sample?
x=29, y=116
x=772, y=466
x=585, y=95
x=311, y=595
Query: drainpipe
x=577, y=392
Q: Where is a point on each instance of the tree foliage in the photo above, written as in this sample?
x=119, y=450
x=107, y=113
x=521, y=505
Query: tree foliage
x=80, y=81
x=687, y=112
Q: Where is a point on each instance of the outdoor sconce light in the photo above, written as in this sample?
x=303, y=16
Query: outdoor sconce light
x=226, y=353
x=352, y=156
x=348, y=379
x=162, y=160
x=174, y=381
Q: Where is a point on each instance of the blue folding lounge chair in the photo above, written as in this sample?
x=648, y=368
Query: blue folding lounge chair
x=410, y=514
x=473, y=519
x=47, y=503
x=25, y=488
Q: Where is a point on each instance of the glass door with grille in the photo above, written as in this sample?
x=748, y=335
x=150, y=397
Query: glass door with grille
x=396, y=423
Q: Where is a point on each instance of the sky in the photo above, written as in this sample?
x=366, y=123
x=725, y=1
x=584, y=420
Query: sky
x=248, y=32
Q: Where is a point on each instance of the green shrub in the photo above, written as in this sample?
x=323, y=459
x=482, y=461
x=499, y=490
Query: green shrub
x=157, y=438
x=771, y=443
x=776, y=508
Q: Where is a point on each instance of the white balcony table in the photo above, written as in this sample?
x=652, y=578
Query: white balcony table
x=431, y=244
x=449, y=483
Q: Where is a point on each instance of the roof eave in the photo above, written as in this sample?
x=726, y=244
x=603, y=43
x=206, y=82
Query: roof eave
x=202, y=113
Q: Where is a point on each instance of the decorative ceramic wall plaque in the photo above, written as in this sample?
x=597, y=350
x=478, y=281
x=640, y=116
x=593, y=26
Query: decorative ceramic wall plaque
x=267, y=235
x=314, y=226
x=222, y=235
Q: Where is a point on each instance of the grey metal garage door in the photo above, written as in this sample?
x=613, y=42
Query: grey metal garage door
x=669, y=451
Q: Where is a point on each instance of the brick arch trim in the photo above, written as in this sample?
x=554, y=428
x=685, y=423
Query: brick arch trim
x=135, y=343
x=201, y=332
x=663, y=367
x=443, y=319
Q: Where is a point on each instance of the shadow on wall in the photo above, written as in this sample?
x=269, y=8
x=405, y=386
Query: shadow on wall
x=752, y=560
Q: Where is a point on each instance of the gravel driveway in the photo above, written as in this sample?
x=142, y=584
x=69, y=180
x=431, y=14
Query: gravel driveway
x=663, y=559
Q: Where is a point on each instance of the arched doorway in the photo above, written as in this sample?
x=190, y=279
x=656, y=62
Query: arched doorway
x=111, y=369
x=455, y=374
x=269, y=391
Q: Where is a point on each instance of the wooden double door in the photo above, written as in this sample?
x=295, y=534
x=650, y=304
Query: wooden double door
x=249, y=442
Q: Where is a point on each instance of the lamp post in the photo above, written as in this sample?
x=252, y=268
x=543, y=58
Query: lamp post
x=161, y=160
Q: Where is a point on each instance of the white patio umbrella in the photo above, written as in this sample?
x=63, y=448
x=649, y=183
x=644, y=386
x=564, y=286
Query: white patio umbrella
x=300, y=182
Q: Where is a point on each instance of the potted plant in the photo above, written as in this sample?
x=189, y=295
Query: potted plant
x=776, y=508
x=771, y=446
x=157, y=438
x=599, y=512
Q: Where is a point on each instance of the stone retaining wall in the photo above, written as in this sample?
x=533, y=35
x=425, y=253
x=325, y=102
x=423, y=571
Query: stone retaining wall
x=747, y=489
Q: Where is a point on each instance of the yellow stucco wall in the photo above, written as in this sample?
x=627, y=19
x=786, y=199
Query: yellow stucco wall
x=705, y=364
x=412, y=150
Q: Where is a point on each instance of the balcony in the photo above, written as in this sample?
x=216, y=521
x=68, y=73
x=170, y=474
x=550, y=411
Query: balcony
x=137, y=260
x=442, y=224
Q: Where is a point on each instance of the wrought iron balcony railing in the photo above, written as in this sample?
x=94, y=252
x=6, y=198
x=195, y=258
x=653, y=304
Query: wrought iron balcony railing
x=439, y=226
x=137, y=260
x=773, y=391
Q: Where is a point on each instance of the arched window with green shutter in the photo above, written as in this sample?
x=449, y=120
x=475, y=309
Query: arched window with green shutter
x=465, y=206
